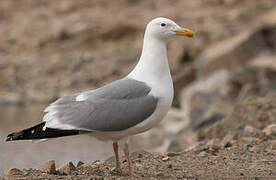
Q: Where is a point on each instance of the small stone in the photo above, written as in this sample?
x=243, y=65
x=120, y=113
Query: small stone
x=213, y=143
x=247, y=146
x=159, y=174
x=228, y=144
x=13, y=172
x=228, y=139
x=273, y=145
x=140, y=155
x=248, y=140
x=172, y=154
x=165, y=158
x=177, y=168
x=80, y=163
x=67, y=168
x=202, y=154
x=97, y=163
x=270, y=130
x=49, y=167
x=138, y=165
x=250, y=131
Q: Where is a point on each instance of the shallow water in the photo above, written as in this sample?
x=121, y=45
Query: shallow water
x=26, y=154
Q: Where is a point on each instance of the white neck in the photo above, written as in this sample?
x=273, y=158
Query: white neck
x=153, y=63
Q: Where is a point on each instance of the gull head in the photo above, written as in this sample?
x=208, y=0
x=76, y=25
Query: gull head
x=164, y=28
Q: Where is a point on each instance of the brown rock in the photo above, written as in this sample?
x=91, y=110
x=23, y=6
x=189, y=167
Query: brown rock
x=203, y=101
x=228, y=140
x=80, y=163
x=248, y=140
x=202, y=154
x=273, y=145
x=270, y=130
x=264, y=62
x=67, y=168
x=172, y=154
x=255, y=112
x=250, y=131
x=214, y=143
x=165, y=158
x=49, y=167
x=14, y=172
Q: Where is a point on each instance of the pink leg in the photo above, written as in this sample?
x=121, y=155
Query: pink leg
x=115, y=148
x=128, y=159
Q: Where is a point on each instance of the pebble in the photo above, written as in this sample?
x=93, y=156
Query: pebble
x=270, y=130
x=80, y=163
x=14, y=171
x=227, y=141
x=159, y=174
x=67, y=168
x=138, y=165
x=228, y=144
x=273, y=145
x=49, y=167
x=202, y=154
x=140, y=155
x=172, y=154
x=213, y=143
x=250, y=131
x=166, y=158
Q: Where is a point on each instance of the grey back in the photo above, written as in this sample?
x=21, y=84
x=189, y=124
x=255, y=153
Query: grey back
x=114, y=107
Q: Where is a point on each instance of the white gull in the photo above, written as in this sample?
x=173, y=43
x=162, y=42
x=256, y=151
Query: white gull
x=116, y=111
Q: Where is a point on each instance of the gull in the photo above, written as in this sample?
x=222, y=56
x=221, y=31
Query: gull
x=116, y=111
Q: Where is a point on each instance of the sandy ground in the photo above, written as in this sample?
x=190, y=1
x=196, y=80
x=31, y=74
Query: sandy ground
x=246, y=158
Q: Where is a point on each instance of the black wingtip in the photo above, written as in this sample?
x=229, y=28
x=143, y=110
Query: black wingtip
x=38, y=132
x=14, y=136
x=9, y=138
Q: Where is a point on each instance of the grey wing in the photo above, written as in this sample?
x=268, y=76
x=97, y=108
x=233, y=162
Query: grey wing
x=117, y=106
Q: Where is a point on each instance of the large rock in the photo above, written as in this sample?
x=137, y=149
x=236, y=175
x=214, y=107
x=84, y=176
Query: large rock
x=203, y=100
x=14, y=172
x=211, y=98
x=49, y=167
x=67, y=168
x=256, y=112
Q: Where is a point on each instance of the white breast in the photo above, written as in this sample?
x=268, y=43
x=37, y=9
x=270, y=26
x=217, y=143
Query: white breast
x=153, y=69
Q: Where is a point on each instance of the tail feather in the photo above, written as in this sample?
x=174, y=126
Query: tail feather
x=40, y=132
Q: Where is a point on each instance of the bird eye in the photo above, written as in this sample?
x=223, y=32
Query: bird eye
x=163, y=24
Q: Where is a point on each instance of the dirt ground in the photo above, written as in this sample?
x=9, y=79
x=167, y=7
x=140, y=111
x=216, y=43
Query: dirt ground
x=246, y=158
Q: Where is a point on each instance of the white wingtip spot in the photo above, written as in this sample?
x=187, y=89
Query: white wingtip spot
x=44, y=128
x=32, y=131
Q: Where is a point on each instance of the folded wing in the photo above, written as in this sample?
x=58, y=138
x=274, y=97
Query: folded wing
x=114, y=107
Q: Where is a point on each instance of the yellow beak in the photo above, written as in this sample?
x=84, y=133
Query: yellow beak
x=185, y=32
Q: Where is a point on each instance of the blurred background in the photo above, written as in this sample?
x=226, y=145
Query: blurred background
x=54, y=48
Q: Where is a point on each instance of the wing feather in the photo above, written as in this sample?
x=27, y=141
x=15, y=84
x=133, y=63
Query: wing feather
x=114, y=107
